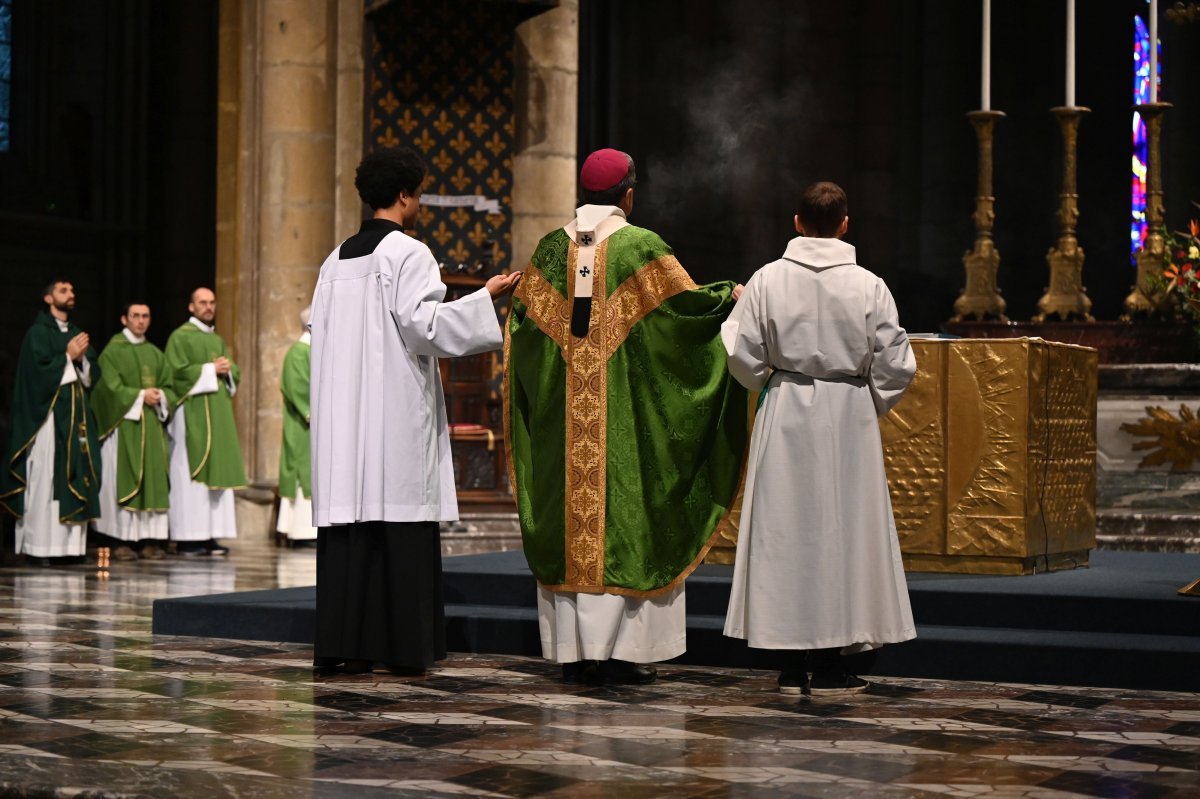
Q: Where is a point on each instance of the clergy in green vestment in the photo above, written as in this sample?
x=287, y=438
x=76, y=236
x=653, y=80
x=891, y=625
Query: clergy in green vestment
x=50, y=479
x=625, y=434
x=132, y=403
x=206, y=459
x=295, y=482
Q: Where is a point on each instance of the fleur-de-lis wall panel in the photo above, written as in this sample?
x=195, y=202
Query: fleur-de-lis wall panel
x=440, y=79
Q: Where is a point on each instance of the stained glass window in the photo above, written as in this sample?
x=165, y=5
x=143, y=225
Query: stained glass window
x=1141, y=95
x=5, y=72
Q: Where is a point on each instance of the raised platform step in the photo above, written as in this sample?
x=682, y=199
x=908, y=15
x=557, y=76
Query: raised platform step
x=1119, y=623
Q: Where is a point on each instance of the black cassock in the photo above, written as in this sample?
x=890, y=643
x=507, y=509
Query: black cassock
x=379, y=594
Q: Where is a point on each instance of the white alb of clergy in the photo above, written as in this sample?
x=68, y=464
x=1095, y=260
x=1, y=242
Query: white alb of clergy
x=295, y=512
x=380, y=441
x=40, y=532
x=818, y=561
x=198, y=513
x=115, y=521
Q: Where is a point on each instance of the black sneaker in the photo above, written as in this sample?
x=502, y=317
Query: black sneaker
x=190, y=549
x=216, y=549
x=793, y=683
x=842, y=684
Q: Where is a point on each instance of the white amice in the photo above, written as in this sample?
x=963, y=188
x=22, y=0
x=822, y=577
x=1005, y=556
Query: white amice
x=603, y=626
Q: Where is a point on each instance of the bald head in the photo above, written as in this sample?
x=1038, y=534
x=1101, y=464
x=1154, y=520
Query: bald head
x=203, y=305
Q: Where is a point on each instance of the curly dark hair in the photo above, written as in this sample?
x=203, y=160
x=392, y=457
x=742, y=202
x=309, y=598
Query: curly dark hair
x=384, y=174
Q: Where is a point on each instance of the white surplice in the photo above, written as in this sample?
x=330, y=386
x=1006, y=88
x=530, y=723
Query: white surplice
x=41, y=532
x=198, y=513
x=115, y=521
x=818, y=561
x=380, y=442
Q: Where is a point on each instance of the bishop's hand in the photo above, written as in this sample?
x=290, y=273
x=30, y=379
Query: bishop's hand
x=501, y=285
x=77, y=346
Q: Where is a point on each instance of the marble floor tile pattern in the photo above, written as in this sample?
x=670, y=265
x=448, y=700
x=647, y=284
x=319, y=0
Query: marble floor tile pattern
x=92, y=704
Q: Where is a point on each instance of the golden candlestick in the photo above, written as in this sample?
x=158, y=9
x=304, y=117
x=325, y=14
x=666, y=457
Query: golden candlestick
x=981, y=299
x=1066, y=296
x=1145, y=300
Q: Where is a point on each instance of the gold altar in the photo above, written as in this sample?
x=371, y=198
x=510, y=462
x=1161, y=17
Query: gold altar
x=991, y=457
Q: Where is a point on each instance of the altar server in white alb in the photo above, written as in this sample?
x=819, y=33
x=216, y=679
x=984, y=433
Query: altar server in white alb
x=818, y=566
x=382, y=475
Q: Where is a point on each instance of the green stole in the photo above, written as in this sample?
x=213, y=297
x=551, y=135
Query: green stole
x=625, y=446
x=37, y=394
x=214, y=455
x=294, y=465
x=142, y=445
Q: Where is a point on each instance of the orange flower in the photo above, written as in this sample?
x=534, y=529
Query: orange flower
x=1194, y=228
x=1171, y=273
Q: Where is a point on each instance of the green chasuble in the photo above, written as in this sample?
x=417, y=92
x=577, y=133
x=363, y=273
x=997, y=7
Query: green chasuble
x=214, y=454
x=142, y=445
x=626, y=445
x=36, y=394
x=294, y=466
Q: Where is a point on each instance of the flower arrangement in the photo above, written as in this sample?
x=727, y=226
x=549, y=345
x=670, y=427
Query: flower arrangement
x=1182, y=271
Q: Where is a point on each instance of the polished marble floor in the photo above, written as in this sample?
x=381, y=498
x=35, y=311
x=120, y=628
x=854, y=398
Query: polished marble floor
x=92, y=704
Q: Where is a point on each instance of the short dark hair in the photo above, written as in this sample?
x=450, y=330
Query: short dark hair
x=383, y=174
x=125, y=306
x=822, y=208
x=50, y=284
x=613, y=196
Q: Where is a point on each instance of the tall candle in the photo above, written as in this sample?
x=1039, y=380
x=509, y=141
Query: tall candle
x=1154, y=51
x=1070, y=53
x=985, y=102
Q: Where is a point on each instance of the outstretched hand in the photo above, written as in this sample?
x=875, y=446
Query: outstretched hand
x=737, y=292
x=500, y=285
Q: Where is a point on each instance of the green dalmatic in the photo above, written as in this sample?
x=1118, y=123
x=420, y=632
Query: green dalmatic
x=38, y=393
x=214, y=455
x=142, y=455
x=626, y=444
x=294, y=458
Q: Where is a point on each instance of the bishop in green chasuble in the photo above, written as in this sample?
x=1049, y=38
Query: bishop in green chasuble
x=626, y=444
x=136, y=493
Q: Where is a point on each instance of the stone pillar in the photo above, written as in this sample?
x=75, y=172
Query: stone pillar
x=545, y=166
x=289, y=136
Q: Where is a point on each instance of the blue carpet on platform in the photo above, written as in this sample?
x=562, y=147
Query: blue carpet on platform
x=1118, y=623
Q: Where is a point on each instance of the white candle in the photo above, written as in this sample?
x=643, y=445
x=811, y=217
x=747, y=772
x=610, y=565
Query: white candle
x=1070, y=53
x=985, y=102
x=1154, y=51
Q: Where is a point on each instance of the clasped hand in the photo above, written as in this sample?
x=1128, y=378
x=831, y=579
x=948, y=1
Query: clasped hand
x=153, y=396
x=222, y=364
x=77, y=346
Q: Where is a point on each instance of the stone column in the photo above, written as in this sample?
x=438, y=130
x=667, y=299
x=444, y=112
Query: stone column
x=289, y=131
x=545, y=166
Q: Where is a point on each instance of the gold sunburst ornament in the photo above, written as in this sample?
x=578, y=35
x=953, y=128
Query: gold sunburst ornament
x=1176, y=439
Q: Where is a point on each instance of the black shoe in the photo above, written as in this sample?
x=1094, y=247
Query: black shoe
x=405, y=671
x=837, y=684
x=582, y=672
x=190, y=549
x=793, y=683
x=216, y=549
x=622, y=672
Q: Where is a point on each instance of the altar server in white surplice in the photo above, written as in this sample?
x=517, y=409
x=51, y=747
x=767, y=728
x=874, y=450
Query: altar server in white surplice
x=382, y=477
x=818, y=566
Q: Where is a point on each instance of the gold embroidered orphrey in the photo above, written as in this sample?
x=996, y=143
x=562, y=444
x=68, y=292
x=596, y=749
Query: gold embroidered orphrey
x=587, y=403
